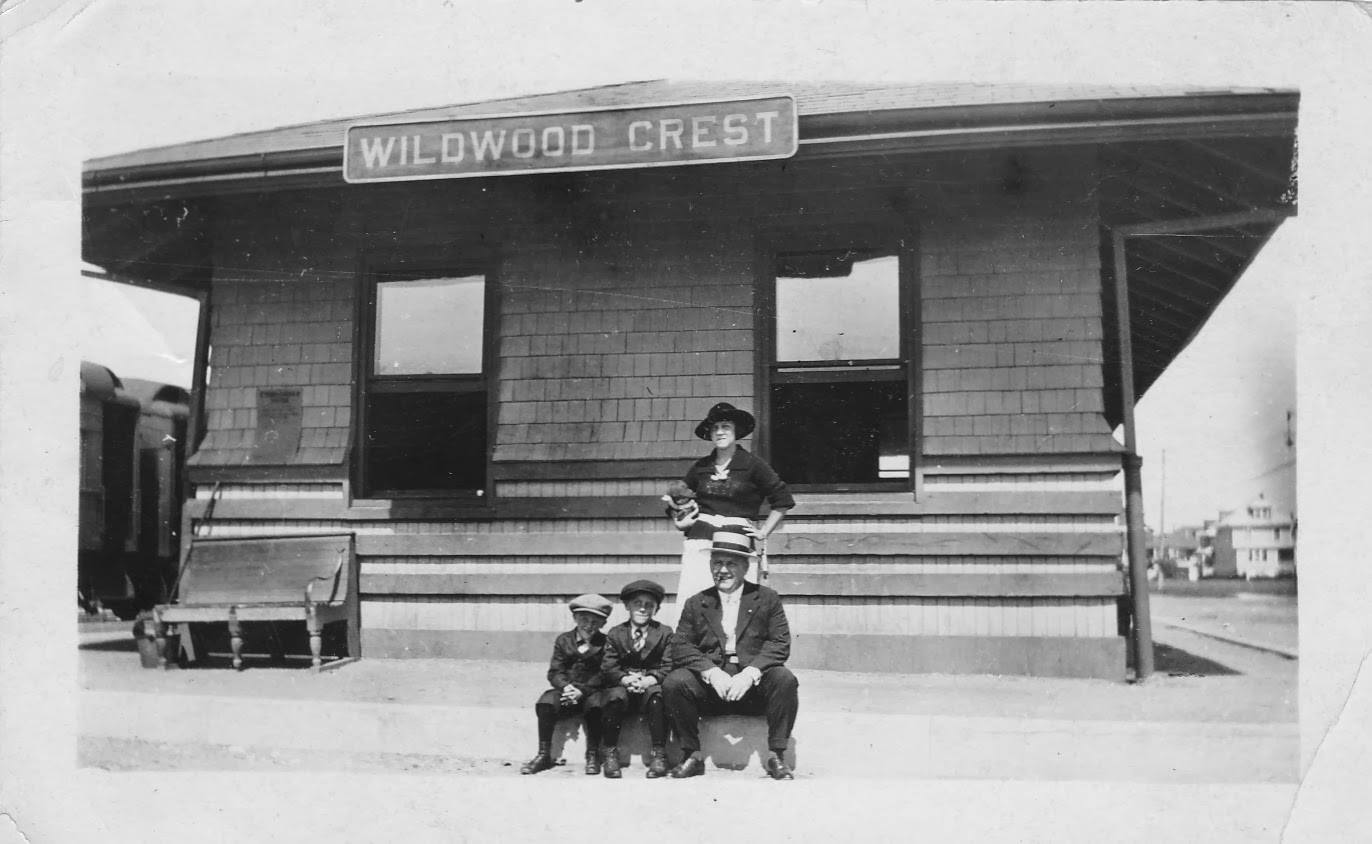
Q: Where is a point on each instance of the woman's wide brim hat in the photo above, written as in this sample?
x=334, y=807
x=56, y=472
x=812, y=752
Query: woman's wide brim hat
x=725, y=412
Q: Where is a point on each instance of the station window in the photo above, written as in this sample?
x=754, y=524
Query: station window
x=424, y=402
x=839, y=368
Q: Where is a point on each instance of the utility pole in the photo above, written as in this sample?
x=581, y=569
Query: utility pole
x=1162, y=513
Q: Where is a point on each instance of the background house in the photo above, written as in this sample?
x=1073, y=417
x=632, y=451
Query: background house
x=1254, y=541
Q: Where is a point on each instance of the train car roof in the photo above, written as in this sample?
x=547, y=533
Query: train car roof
x=100, y=381
x=148, y=392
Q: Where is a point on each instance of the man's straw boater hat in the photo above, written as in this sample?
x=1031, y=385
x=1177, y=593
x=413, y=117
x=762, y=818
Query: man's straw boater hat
x=726, y=541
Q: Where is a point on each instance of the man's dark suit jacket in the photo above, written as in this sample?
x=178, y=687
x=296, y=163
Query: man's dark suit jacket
x=654, y=660
x=578, y=669
x=763, y=636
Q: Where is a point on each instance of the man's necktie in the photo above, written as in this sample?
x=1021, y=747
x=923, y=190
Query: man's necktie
x=639, y=637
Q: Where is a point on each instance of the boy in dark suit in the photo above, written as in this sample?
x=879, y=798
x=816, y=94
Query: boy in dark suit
x=729, y=652
x=575, y=676
x=637, y=659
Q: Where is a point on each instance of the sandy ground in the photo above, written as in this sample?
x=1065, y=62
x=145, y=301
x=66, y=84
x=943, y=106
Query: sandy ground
x=341, y=795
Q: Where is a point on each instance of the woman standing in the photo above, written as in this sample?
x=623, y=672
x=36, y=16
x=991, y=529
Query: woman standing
x=730, y=485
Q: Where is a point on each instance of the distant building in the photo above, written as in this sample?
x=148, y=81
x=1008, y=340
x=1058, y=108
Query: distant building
x=1255, y=542
x=1177, y=544
x=1181, y=549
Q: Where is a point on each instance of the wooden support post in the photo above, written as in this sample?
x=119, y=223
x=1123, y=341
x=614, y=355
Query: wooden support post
x=195, y=421
x=1141, y=631
x=1142, y=628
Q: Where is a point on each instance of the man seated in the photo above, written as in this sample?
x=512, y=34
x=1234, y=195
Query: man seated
x=729, y=653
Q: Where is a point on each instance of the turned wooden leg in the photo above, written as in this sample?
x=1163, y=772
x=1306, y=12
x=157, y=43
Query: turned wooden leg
x=236, y=641
x=157, y=631
x=316, y=641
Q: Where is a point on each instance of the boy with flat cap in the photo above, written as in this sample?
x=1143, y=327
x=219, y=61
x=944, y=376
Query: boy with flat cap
x=637, y=659
x=575, y=676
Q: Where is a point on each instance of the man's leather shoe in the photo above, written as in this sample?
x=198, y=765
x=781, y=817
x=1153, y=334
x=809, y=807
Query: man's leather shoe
x=657, y=763
x=776, y=769
x=592, y=763
x=611, y=757
x=691, y=766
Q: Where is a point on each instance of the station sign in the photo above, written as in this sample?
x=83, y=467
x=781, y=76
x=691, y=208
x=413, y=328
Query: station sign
x=594, y=139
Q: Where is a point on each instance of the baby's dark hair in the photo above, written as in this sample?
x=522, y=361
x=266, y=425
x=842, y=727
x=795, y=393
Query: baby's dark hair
x=678, y=489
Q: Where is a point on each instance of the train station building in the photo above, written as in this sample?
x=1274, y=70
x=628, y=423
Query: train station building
x=479, y=337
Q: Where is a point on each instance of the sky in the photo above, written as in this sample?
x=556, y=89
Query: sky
x=1212, y=429
x=136, y=332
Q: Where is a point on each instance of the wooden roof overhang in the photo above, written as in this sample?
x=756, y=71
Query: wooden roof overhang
x=1190, y=216
x=1193, y=183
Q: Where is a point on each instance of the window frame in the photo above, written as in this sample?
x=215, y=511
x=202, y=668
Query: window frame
x=465, y=262
x=886, y=236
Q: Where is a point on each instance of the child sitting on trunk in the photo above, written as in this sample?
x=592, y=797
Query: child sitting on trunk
x=575, y=676
x=637, y=658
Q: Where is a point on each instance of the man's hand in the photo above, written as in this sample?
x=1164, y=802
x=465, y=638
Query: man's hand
x=571, y=694
x=739, y=685
x=645, y=682
x=637, y=683
x=719, y=680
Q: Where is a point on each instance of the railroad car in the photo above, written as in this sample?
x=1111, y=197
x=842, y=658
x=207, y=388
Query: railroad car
x=132, y=468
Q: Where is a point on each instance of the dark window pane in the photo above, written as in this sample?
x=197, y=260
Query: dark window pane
x=426, y=441
x=850, y=432
x=837, y=306
x=429, y=326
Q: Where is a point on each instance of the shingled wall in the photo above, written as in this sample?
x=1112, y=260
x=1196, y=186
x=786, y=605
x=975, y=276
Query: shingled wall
x=610, y=348
x=621, y=316
x=1012, y=324
x=281, y=305
x=613, y=352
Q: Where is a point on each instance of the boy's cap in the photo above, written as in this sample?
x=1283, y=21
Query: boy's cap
x=646, y=586
x=592, y=603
